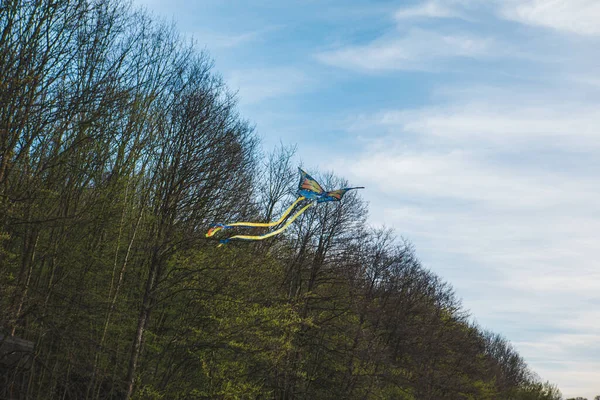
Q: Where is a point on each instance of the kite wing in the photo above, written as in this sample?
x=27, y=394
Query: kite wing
x=335, y=195
x=309, y=187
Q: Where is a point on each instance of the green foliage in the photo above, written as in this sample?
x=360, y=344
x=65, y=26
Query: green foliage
x=538, y=391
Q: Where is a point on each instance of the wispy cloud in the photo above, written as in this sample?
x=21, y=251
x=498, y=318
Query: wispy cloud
x=259, y=84
x=429, y=9
x=465, y=177
x=417, y=50
x=570, y=357
x=217, y=40
x=483, y=121
x=576, y=16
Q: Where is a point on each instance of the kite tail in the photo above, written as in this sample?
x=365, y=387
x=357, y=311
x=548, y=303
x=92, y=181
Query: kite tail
x=217, y=227
x=270, y=234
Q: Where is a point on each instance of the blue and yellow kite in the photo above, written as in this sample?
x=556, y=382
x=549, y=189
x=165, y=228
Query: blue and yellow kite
x=309, y=194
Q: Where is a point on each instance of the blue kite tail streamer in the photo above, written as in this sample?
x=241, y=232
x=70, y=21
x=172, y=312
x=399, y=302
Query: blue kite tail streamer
x=223, y=242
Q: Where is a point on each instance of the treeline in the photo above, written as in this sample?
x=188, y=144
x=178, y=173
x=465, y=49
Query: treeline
x=118, y=147
x=583, y=398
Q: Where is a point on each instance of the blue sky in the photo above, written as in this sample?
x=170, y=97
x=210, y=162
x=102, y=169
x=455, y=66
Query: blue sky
x=474, y=125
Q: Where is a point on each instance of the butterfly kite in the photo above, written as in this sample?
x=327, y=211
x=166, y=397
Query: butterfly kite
x=309, y=194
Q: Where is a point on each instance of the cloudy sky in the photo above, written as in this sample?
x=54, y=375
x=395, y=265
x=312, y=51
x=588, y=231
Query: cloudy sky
x=474, y=125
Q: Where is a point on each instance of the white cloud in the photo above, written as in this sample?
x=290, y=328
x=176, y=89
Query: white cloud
x=214, y=40
x=461, y=176
x=575, y=379
x=220, y=41
x=569, y=360
x=514, y=217
x=576, y=16
x=418, y=50
x=585, y=81
x=192, y=20
x=547, y=124
x=429, y=9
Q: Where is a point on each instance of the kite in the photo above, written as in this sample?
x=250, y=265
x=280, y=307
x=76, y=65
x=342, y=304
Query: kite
x=309, y=193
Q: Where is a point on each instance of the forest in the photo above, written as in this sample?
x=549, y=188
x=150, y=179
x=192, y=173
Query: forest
x=119, y=146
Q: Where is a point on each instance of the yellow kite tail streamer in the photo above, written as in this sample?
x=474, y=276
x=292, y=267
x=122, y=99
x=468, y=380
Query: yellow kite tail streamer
x=270, y=234
x=287, y=212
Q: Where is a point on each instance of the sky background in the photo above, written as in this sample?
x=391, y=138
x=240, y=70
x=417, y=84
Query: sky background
x=474, y=125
